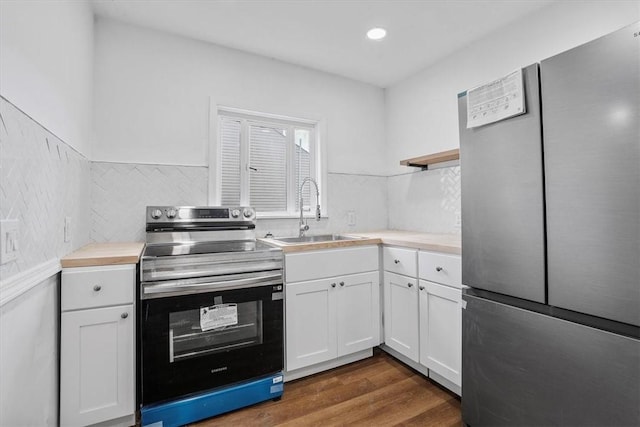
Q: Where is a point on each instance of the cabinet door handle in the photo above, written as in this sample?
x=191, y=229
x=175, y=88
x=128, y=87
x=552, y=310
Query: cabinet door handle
x=341, y=283
x=438, y=268
x=97, y=288
x=421, y=288
x=124, y=315
x=333, y=285
x=410, y=285
x=397, y=261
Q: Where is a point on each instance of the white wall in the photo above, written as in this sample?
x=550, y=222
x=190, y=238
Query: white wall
x=421, y=112
x=46, y=65
x=152, y=94
x=29, y=357
x=46, y=78
x=151, y=106
x=42, y=181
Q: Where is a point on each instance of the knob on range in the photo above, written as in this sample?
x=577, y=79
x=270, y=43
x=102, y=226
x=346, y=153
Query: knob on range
x=156, y=213
x=171, y=213
x=248, y=213
x=235, y=213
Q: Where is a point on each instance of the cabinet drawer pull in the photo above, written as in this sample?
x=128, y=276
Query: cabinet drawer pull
x=421, y=288
x=341, y=283
x=438, y=269
x=333, y=285
x=397, y=261
x=124, y=315
x=410, y=285
x=97, y=288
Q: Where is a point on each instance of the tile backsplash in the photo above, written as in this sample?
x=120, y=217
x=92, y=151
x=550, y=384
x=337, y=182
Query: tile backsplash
x=42, y=182
x=120, y=193
x=426, y=201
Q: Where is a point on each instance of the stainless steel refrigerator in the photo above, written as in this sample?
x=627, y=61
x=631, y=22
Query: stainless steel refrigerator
x=551, y=245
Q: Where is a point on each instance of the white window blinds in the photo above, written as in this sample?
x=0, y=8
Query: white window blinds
x=262, y=162
x=268, y=168
x=230, y=156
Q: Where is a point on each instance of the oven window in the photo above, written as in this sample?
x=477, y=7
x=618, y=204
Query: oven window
x=242, y=328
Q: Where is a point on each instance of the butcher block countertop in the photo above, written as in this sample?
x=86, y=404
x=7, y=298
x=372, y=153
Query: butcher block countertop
x=96, y=254
x=448, y=243
x=313, y=246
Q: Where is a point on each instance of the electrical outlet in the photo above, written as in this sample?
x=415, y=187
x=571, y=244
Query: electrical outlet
x=8, y=240
x=67, y=229
x=351, y=218
x=458, y=219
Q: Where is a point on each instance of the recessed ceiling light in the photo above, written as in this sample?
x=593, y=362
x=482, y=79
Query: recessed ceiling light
x=376, y=33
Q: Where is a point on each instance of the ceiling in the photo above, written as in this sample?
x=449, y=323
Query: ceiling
x=329, y=35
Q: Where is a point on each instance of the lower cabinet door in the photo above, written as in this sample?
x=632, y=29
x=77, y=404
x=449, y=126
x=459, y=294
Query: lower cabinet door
x=358, y=311
x=441, y=330
x=310, y=323
x=97, y=381
x=401, y=314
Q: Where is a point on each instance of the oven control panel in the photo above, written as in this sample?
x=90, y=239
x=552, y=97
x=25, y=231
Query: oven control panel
x=164, y=214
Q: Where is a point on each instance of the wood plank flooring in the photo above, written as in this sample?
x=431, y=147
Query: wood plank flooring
x=379, y=391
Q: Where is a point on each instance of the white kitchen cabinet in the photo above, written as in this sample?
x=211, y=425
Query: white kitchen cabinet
x=358, y=312
x=441, y=316
x=311, y=323
x=441, y=330
x=332, y=307
x=401, y=314
x=97, y=346
x=331, y=318
x=422, y=312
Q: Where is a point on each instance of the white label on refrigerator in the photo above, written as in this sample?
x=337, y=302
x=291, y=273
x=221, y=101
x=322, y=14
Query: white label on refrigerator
x=218, y=316
x=496, y=100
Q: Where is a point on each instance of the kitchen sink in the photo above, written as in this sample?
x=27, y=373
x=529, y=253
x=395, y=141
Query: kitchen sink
x=316, y=239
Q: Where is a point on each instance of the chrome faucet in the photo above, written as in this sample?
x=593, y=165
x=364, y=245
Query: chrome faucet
x=303, y=225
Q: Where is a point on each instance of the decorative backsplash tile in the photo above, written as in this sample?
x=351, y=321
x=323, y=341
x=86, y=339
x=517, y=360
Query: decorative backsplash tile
x=120, y=193
x=364, y=196
x=425, y=201
x=42, y=181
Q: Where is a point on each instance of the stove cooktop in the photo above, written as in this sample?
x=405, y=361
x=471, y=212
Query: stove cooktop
x=176, y=249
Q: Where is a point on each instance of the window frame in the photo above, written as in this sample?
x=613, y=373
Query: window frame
x=317, y=130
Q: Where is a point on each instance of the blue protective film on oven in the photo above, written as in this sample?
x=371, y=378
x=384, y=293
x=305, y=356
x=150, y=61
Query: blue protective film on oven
x=214, y=402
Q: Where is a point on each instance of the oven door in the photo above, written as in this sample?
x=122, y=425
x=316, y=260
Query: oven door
x=196, y=342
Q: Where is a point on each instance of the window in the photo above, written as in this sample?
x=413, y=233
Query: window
x=262, y=159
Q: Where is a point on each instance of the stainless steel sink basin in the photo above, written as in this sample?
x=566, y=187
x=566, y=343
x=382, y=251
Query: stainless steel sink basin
x=316, y=239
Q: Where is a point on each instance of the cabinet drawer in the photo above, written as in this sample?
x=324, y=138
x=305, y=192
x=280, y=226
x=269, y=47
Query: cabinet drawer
x=89, y=287
x=400, y=261
x=312, y=265
x=440, y=268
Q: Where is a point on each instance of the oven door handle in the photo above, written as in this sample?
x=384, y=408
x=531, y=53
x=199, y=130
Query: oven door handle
x=160, y=290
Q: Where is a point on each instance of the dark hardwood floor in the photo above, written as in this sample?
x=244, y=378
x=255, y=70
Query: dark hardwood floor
x=379, y=391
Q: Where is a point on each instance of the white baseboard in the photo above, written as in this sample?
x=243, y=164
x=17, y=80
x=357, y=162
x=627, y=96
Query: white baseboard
x=404, y=359
x=423, y=370
x=325, y=366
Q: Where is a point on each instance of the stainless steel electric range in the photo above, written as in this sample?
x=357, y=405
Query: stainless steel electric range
x=211, y=314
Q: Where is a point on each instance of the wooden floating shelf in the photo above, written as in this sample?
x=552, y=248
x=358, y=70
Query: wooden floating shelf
x=430, y=159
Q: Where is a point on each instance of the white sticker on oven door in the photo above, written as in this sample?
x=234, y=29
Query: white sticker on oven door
x=218, y=316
